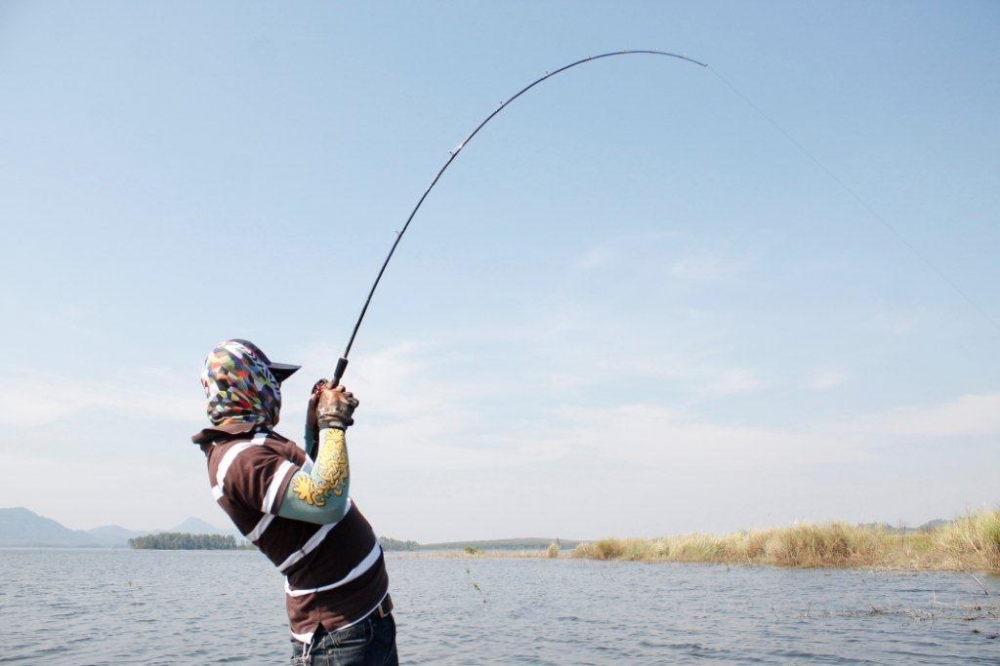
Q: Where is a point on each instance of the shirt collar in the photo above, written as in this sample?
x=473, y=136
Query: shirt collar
x=224, y=430
x=231, y=430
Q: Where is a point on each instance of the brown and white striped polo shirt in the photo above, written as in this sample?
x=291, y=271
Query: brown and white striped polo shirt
x=334, y=574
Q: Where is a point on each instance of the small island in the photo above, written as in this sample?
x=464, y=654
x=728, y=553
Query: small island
x=184, y=541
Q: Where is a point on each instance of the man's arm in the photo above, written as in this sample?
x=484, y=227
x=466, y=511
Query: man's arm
x=321, y=496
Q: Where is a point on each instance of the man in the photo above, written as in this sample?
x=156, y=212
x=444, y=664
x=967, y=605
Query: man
x=296, y=509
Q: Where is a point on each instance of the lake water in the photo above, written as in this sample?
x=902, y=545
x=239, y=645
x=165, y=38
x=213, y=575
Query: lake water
x=149, y=607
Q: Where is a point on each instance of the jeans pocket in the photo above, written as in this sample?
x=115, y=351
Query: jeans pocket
x=357, y=636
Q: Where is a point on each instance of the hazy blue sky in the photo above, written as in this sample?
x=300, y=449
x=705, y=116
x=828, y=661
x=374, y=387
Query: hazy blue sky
x=632, y=306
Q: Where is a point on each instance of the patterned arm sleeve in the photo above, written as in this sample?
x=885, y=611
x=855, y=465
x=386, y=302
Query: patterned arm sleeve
x=321, y=494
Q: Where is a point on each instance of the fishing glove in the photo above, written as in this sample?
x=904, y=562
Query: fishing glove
x=335, y=408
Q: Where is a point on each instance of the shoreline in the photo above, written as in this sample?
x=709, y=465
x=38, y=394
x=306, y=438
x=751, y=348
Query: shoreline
x=970, y=543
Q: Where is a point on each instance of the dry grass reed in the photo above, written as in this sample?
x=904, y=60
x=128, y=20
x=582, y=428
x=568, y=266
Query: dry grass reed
x=970, y=543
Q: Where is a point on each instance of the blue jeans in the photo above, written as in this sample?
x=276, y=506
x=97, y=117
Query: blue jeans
x=371, y=642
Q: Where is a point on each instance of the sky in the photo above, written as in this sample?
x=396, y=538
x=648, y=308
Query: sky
x=648, y=298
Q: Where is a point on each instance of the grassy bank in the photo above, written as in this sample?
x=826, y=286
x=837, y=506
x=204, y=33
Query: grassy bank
x=970, y=543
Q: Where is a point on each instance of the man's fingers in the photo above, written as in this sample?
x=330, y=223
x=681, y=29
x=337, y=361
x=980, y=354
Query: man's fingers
x=347, y=395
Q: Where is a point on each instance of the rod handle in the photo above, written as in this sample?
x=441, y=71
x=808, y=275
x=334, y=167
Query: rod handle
x=338, y=373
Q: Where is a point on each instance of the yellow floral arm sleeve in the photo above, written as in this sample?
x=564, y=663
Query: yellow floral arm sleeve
x=320, y=496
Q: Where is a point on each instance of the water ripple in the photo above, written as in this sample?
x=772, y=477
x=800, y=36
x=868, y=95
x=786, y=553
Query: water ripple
x=143, y=607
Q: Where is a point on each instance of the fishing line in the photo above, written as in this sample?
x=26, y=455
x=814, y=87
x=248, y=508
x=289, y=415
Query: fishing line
x=864, y=204
x=338, y=372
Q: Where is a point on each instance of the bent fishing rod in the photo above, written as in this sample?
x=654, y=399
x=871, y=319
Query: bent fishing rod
x=338, y=372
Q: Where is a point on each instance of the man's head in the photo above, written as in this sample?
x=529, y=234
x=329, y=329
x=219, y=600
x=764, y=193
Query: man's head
x=242, y=385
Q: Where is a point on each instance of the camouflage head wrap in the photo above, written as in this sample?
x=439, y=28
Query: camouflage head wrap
x=239, y=386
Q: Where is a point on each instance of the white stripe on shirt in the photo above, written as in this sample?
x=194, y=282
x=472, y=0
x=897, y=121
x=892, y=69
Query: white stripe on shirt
x=357, y=571
x=227, y=460
x=272, y=490
x=261, y=526
x=314, y=541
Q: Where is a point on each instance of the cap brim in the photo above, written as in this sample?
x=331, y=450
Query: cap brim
x=282, y=371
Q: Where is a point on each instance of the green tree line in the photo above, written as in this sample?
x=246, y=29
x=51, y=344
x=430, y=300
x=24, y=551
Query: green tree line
x=183, y=541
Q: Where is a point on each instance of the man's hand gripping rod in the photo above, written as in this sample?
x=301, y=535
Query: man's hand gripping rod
x=338, y=372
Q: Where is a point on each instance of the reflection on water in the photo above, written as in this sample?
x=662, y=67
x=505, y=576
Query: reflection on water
x=146, y=607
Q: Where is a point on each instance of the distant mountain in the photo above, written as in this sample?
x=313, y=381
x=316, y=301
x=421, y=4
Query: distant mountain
x=21, y=527
x=114, y=536
x=197, y=526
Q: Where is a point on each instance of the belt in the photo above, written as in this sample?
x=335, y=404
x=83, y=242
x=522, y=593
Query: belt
x=383, y=608
x=381, y=611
